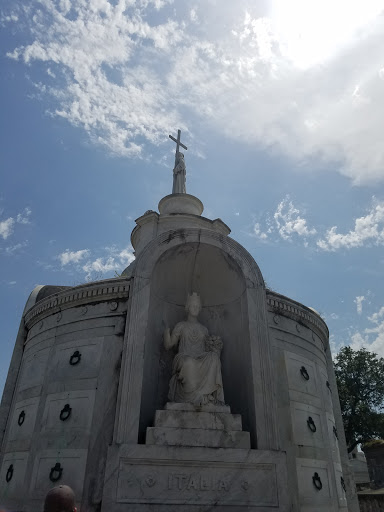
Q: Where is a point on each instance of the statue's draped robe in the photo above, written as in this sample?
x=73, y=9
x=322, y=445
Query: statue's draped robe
x=179, y=177
x=196, y=371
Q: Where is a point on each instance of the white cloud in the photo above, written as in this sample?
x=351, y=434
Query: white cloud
x=371, y=338
x=264, y=75
x=68, y=256
x=90, y=47
x=289, y=221
x=376, y=318
x=100, y=265
x=286, y=222
x=12, y=249
x=193, y=15
x=359, y=303
x=4, y=19
x=117, y=261
x=112, y=259
x=258, y=233
x=368, y=230
x=6, y=227
x=23, y=218
x=126, y=256
x=358, y=341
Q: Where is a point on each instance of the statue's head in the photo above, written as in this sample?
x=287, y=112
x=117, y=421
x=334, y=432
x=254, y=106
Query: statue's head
x=181, y=155
x=193, y=304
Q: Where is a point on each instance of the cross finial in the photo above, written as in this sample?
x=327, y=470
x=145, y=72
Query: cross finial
x=178, y=143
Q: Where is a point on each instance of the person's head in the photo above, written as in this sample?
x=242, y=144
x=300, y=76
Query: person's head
x=193, y=305
x=60, y=499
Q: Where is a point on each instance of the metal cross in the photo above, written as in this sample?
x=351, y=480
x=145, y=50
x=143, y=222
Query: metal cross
x=178, y=143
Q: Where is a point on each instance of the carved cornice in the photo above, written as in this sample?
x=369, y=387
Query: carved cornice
x=101, y=291
x=287, y=307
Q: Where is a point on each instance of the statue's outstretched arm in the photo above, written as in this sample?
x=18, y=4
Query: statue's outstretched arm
x=170, y=340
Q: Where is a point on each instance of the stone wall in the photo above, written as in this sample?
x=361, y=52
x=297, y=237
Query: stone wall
x=62, y=411
x=310, y=424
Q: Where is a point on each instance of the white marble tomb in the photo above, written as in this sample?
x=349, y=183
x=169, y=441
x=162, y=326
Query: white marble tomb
x=88, y=400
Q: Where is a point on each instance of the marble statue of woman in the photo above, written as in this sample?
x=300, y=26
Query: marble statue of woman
x=196, y=370
x=179, y=175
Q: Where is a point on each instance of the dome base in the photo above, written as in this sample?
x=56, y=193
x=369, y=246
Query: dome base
x=180, y=203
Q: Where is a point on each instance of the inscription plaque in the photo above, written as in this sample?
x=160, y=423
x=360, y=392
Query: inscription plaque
x=173, y=483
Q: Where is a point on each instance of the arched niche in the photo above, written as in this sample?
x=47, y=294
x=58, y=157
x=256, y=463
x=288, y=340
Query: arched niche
x=167, y=262
x=215, y=275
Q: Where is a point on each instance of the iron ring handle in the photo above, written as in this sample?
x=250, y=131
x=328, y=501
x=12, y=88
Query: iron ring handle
x=311, y=424
x=9, y=475
x=329, y=386
x=65, y=412
x=335, y=432
x=304, y=373
x=21, y=418
x=75, y=358
x=56, y=469
x=343, y=484
x=317, y=481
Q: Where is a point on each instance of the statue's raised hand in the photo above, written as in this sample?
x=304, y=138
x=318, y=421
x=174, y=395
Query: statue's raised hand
x=167, y=338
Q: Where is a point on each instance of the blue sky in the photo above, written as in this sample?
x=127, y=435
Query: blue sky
x=280, y=104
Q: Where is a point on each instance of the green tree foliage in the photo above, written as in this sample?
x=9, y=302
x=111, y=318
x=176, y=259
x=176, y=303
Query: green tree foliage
x=360, y=381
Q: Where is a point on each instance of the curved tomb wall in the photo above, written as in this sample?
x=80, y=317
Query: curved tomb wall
x=308, y=429
x=62, y=414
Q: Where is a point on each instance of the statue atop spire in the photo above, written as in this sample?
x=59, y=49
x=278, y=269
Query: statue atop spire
x=179, y=170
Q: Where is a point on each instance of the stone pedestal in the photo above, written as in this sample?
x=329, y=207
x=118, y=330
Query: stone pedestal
x=182, y=424
x=150, y=478
x=195, y=458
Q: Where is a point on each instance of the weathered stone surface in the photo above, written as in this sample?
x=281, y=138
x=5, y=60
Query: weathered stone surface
x=151, y=224
x=50, y=377
x=180, y=203
x=198, y=437
x=12, y=475
x=158, y=478
x=195, y=419
x=306, y=388
x=360, y=472
x=174, y=406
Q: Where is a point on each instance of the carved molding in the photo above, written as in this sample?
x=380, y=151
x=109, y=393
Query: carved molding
x=101, y=291
x=295, y=311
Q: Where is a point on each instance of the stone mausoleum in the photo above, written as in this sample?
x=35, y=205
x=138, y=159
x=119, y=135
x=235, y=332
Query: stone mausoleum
x=183, y=385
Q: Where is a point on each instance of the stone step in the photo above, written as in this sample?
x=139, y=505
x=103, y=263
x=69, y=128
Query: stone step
x=184, y=406
x=198, y=437
x=194, y=419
